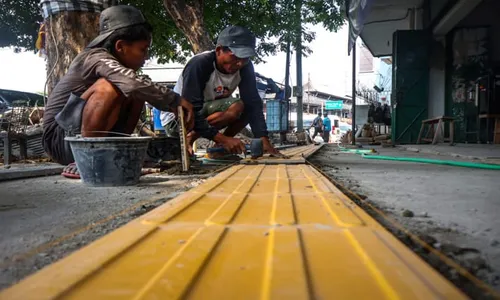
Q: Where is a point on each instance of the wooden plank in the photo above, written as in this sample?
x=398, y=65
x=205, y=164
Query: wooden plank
x=182, y=135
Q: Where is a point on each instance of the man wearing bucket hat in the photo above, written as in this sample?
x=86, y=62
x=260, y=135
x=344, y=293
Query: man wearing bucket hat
x=208, y=82
x=101, y=92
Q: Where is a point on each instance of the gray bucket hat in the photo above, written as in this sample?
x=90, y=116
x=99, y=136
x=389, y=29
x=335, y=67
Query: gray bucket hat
x=116, y=17
x=239, y=40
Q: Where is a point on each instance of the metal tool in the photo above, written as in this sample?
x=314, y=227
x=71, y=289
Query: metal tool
x=255, y=148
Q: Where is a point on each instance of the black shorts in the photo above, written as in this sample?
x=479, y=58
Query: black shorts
x=55, y=145
x=67, y=122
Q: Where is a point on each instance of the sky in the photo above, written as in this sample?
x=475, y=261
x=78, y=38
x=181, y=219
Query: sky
x=328, y=67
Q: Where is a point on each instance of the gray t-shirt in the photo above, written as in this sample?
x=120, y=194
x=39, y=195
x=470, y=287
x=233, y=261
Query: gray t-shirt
x=219, y=85
x=201, y=82
x=89, y=66
x=93, y=64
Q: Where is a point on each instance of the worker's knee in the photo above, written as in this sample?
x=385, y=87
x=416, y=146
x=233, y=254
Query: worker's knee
x=102, y=89
x=224, y=118
x=234, y=111
x=237, y=107
x=103, y=86
x=104, y=108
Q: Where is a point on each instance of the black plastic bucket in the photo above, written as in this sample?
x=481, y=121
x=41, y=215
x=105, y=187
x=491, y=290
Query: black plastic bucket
x=109, y=161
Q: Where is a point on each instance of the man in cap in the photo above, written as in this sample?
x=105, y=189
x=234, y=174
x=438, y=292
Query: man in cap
x=101, y=91
x=317, y=124
x=208, y=82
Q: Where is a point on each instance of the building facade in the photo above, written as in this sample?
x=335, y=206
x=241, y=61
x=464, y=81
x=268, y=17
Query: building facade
x=445, y=61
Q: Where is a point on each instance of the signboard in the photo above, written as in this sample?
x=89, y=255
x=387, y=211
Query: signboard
x=331, y=105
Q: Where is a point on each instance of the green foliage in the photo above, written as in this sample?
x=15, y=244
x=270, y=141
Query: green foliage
x=273, y=22
x=19, y=23
x=169, y=43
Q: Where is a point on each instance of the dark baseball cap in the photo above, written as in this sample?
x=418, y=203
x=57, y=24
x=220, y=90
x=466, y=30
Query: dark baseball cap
x=116, y=17
x=239, y=40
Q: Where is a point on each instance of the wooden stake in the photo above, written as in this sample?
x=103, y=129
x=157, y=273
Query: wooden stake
x=182, y=134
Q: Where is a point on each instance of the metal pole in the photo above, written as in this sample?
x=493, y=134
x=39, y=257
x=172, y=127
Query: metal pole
x=353, y=115
x=287, y=82
x=287, y=70
x=298, y=47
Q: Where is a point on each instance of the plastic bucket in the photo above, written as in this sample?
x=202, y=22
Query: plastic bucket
x=109, y=161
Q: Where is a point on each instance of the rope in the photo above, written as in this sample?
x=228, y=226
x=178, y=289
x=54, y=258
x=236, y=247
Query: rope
x=51, y=31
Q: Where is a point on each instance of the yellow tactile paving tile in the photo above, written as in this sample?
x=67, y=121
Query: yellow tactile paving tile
x=252, y=232
x=301, y=150
x=296, y=155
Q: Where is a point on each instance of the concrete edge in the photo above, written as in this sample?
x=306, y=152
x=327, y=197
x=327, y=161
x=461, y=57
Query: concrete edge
x=274, y=162
x=29, y=173
x=172, y=177
x=314, y=151
x=456, y=155
x=428, y=151
x=278, y=161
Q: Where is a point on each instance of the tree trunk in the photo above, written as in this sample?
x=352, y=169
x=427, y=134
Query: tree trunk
x=68, y=33
x=189, y=19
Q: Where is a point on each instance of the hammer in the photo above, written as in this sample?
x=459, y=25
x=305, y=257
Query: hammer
x=256, y=149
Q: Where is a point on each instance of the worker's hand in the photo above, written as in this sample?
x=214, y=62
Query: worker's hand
x=188, y=114
x=268, y=147
x=231, y=145
x=187, y=107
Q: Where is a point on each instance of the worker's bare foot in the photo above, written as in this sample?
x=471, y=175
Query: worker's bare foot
x=71, y=171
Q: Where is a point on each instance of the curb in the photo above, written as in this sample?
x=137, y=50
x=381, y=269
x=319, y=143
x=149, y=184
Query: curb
x=427, y=151
x=7, y=174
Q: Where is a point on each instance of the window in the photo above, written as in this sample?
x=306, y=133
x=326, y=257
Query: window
x=365, y=60
x=13, y=98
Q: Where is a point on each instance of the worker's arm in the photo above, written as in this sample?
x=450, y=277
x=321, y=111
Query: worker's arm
x=254, y=109
x=194, y=78
x=100, y=63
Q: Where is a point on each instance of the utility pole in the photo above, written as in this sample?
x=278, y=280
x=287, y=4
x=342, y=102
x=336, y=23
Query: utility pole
x=287, y=82
x=308, y=93
x=287, y=71
x=353, y=114
x=298, y=47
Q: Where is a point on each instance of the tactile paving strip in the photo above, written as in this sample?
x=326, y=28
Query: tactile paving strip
x=252, y=232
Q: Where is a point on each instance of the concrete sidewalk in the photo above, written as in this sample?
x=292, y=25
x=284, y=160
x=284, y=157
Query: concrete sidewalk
x=454, y=209
x=44, y=219
x=489, y=153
